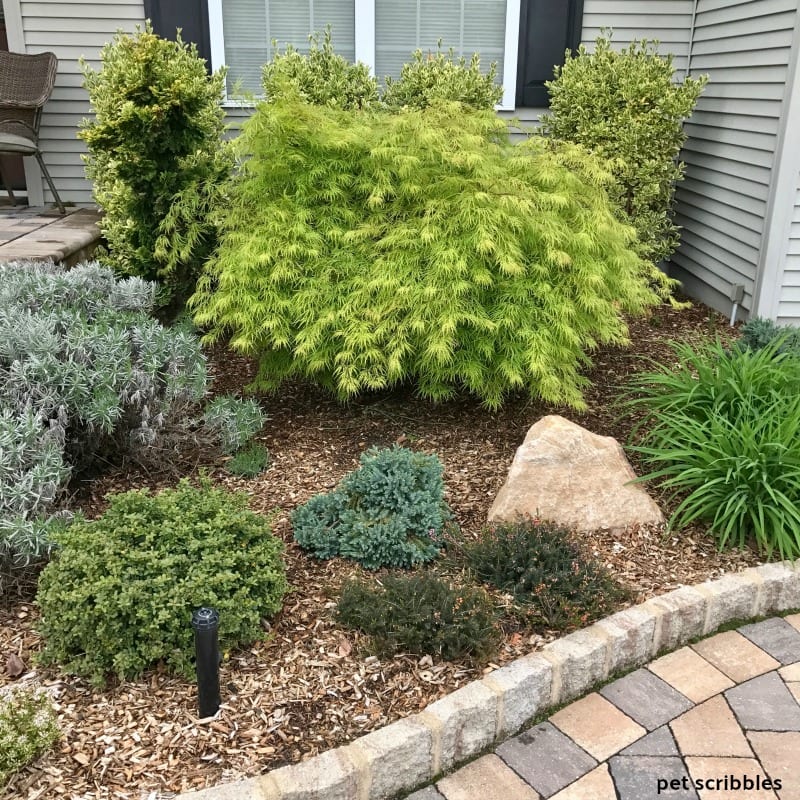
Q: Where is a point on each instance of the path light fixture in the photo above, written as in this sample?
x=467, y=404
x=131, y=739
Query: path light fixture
x=205, y=622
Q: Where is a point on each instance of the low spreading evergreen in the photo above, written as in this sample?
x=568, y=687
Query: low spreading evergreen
x=366, y=249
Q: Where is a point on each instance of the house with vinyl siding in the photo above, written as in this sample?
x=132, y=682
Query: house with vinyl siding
x=739, y=206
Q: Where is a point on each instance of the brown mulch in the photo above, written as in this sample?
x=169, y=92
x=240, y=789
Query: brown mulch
x=313, y=685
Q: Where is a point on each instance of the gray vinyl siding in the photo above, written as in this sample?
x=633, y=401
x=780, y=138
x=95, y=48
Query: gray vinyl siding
x=668, y=21
x=745, y=49
x=789, y=305
x=71, y=30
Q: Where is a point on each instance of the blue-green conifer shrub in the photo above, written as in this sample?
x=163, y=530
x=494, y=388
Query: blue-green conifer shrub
x=364, y=250
x=388, y=513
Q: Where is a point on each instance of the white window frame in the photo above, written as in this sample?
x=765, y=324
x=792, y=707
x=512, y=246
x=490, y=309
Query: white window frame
x=365, y=44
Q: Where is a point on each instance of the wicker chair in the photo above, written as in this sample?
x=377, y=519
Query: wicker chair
x=26, y=82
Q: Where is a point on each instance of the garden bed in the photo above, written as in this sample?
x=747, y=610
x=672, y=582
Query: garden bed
x=312, y=685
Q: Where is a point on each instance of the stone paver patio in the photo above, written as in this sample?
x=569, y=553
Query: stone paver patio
x=717, y=719
x=45, y=235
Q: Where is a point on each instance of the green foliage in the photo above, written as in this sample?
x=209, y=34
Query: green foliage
x=362, y=250
x=235, y=421
x=422, y=614
x=27, y=729
x=626, y=108
x=429, y=79
x=389, y=512
x=156, y=155
x=758, y=333
x=119, y=595
x=722, y=430
x=250, y=461
x=320, y=77
x=544, y=570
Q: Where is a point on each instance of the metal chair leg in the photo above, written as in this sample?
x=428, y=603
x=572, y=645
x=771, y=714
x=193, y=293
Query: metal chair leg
x=7, y=187
x=50, y=183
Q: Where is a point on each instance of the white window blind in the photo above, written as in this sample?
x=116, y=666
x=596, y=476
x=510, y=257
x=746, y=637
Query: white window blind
x=468, y=26
x=249, y=26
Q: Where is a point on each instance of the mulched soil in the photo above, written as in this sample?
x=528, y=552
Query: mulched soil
x=313, y=685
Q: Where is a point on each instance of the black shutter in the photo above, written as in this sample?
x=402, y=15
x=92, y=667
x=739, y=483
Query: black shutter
x=547, y=28
x=191, y=16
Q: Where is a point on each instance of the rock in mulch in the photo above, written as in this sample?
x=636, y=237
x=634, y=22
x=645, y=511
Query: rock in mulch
x=568, y=475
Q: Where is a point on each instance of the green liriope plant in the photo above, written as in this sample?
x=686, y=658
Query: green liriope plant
x=363, y=250
x=721, y=431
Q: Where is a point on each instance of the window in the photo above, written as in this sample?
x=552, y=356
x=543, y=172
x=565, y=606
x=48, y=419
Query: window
x=380, y=33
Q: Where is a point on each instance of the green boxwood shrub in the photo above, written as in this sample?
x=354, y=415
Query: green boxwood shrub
x=157, y=158
x=27, y=729
x=363, y=250
x=119, y=594
x=541, y=566
x=627, y=108
x=389, y=512
x=721, y=430
x=421, y=614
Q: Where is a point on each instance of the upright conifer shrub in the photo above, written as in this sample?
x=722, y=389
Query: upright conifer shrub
x=625, y=107
x=362, y=250
x=156, y=155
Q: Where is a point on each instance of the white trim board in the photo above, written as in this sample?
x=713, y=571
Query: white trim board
x=365, y=43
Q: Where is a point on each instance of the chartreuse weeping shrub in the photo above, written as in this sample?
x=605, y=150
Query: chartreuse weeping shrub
x=366, y=249
x=390, y=512
x=626, y=107
x=27, y=729
x=157, y=159
x=721, y=430
x=87, y=375
x=119, y=594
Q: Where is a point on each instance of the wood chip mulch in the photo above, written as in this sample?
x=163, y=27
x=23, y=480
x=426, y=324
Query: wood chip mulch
x=313, y=685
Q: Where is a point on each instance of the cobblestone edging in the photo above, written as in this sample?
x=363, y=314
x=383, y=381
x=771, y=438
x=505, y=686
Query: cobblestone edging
x=413, y=751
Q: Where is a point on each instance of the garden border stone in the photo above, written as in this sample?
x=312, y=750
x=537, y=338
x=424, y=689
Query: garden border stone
x=413, y=751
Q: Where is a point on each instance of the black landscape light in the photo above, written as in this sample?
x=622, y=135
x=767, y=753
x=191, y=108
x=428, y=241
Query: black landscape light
x=205, y=622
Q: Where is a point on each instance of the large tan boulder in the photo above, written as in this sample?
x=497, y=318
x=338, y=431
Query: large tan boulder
x=573, y=477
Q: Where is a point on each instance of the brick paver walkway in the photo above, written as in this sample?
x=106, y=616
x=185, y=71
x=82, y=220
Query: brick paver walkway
x=718, y=719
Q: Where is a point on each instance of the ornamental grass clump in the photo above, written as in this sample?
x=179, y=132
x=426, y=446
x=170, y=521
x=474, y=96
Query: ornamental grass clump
x=390, y=512
x=720, y=429
x=362, y=250
x=120, y=592
x=627, y=108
